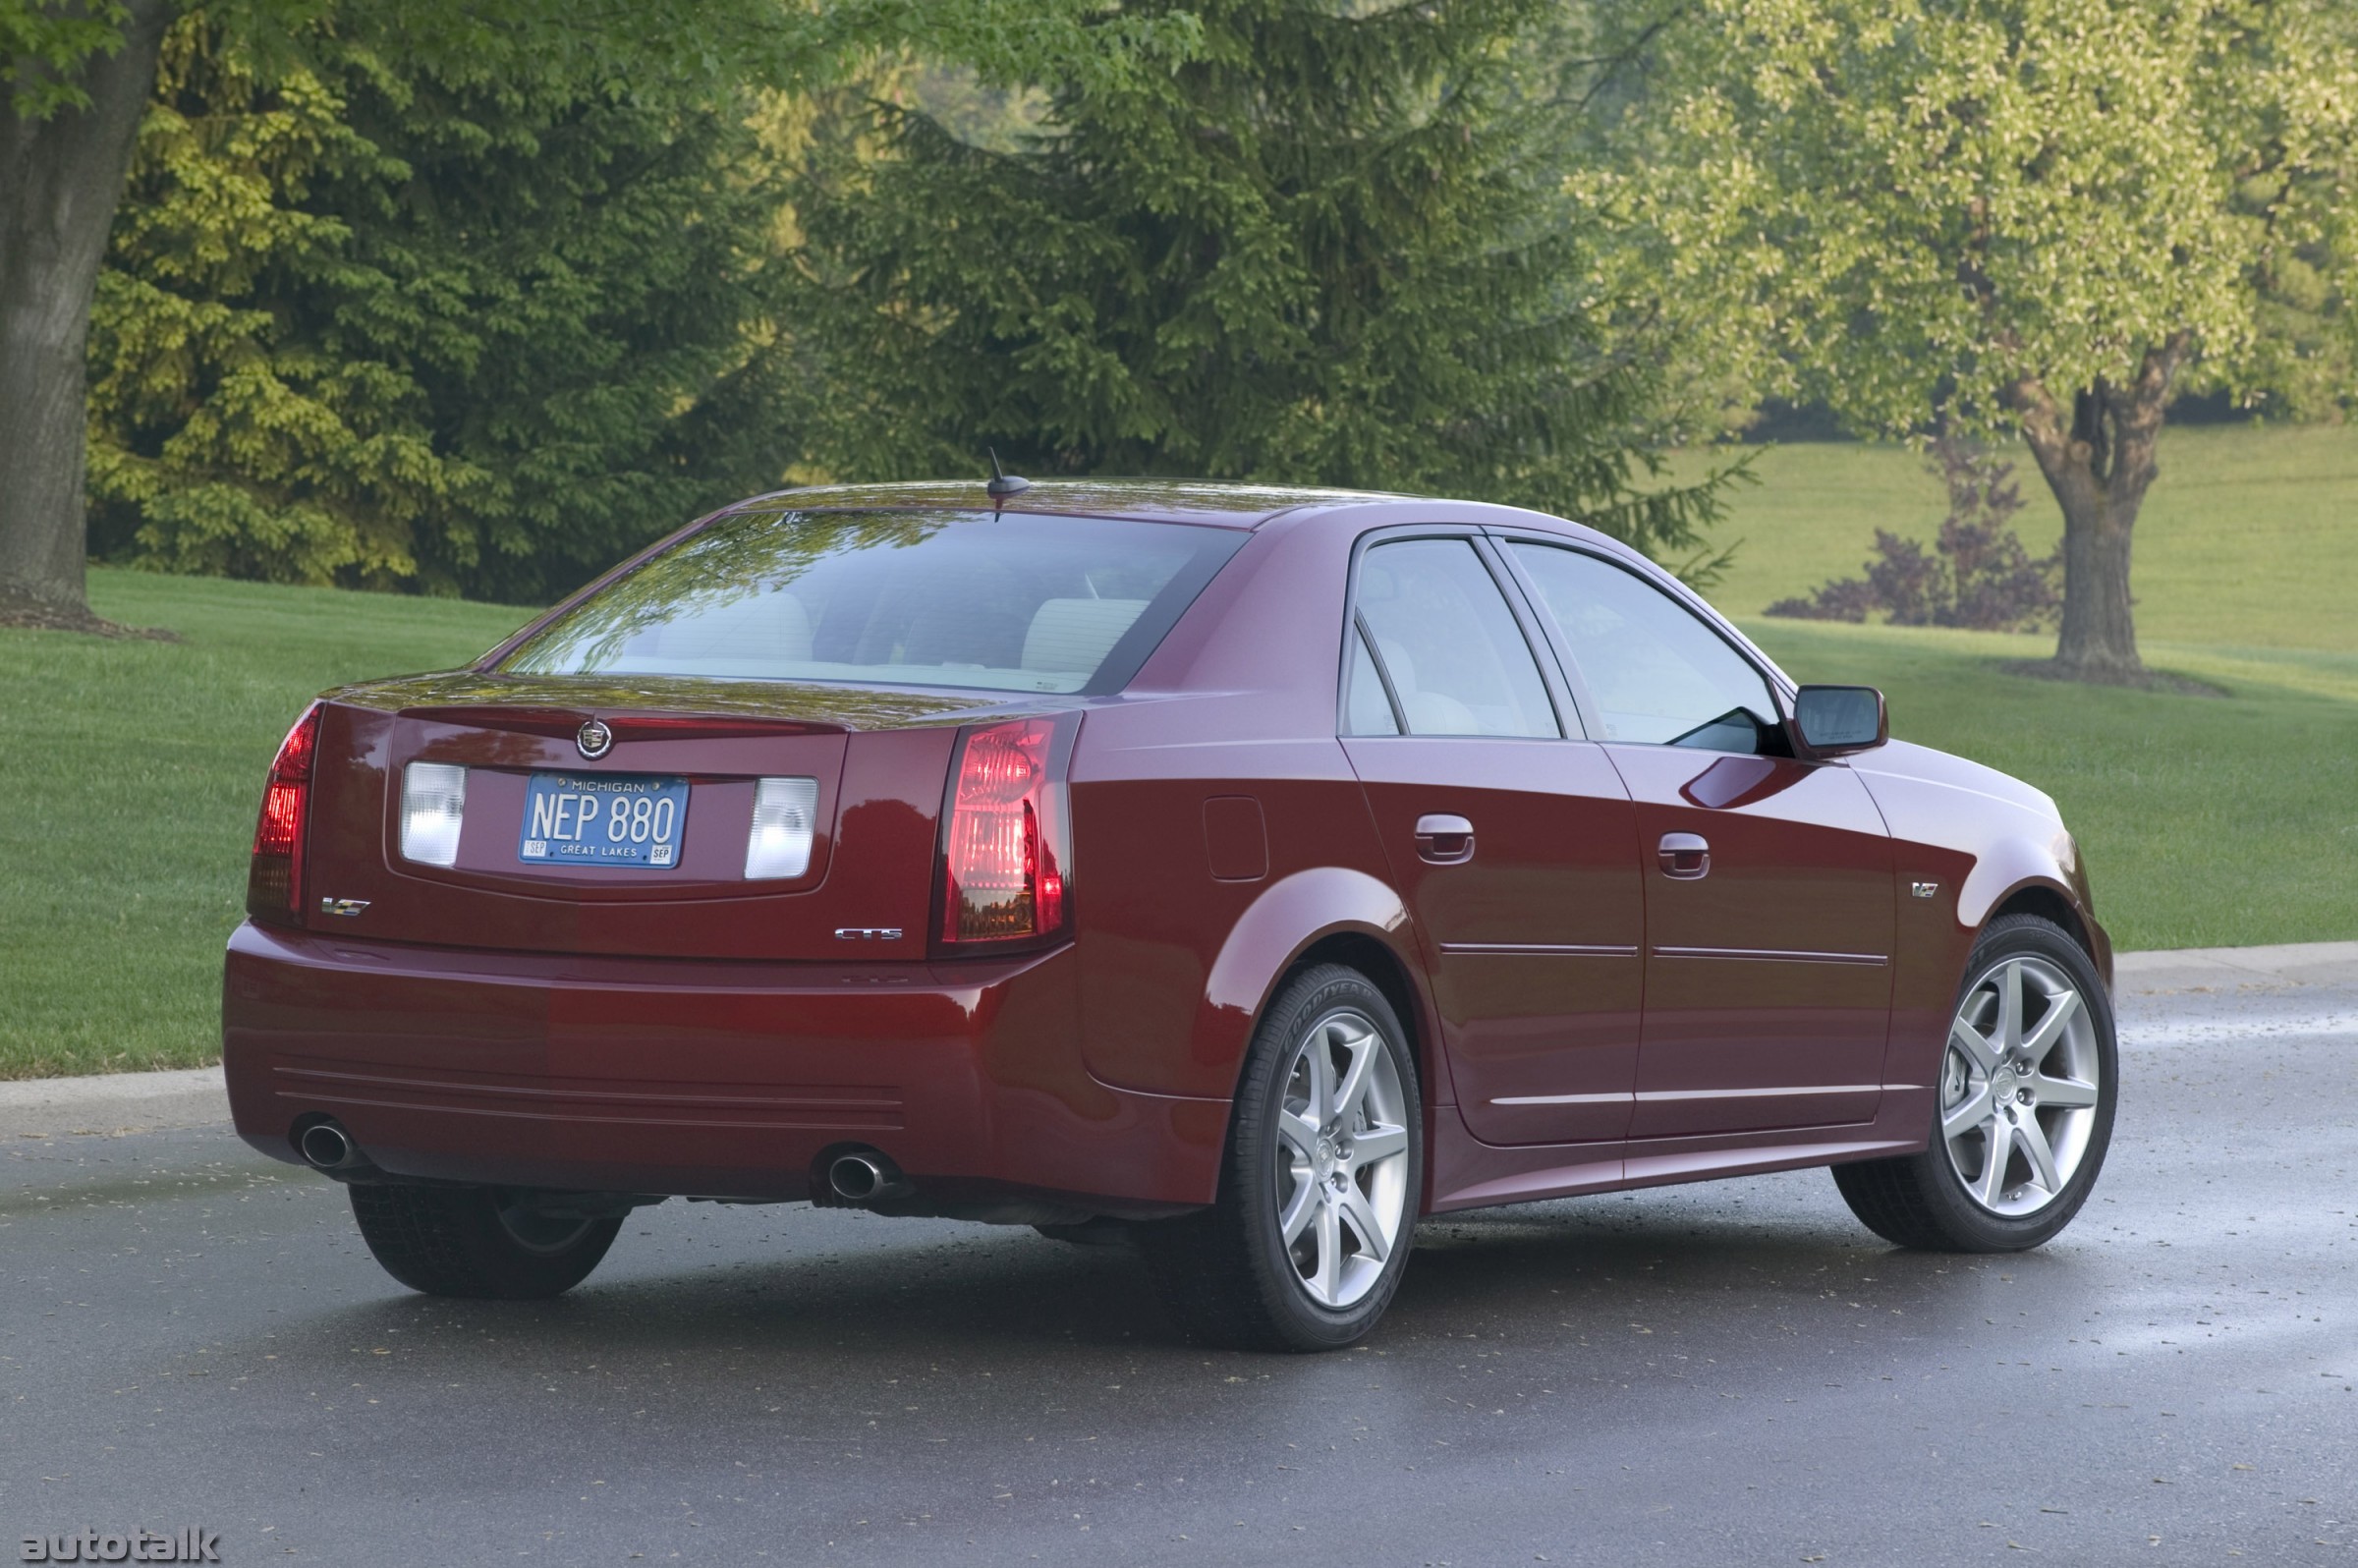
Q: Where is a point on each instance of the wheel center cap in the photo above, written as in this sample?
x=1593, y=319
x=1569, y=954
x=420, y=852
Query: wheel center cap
x=1325, y=1160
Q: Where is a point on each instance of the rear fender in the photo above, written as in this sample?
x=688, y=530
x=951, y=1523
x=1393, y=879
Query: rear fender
x=1291, y=917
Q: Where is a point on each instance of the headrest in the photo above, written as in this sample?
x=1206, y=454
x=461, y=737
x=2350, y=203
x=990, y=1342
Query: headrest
x=1072, y=636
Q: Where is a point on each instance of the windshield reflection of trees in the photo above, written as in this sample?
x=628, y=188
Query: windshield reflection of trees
x=735, y=559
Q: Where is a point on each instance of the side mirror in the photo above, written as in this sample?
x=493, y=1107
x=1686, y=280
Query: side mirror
x=1834, y=720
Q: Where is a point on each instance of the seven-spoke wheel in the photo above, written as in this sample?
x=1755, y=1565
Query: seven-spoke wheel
x=1341, y=1158
x=2023, y=1111
x=1317, y=1191
x=2019, y=1087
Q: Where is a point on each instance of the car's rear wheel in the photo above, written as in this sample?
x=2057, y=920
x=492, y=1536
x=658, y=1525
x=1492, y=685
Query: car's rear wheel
x=488, y=1243
x=2022, y=1112
x=1316, y=1211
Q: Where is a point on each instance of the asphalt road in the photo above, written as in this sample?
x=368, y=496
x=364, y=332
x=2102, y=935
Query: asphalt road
x=1727, y=1374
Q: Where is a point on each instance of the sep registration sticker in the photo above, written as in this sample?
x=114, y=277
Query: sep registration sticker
x=603, y=819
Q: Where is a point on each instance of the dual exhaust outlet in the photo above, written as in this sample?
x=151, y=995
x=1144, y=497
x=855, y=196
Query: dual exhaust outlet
x=857, y=1177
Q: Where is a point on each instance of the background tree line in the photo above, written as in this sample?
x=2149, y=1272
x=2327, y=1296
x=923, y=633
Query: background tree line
x=472, y=300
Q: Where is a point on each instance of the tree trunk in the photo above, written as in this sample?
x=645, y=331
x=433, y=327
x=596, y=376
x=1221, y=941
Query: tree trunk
x=61, y=178
x=2100, y=460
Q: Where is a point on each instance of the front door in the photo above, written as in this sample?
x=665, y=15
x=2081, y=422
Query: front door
x=1770, y=892
x=1513, y=846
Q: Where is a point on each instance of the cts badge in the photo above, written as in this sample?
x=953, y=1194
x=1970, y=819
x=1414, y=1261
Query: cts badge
x=593, y=739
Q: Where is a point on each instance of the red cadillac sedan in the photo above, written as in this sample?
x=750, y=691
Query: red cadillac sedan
x=1238, y=873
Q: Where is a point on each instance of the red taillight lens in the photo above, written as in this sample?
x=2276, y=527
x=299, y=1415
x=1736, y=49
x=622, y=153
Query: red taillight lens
x=274, y=879
x=1006, y=848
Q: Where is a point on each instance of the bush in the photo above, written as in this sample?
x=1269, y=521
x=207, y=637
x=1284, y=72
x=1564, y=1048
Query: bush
x=365, y=326
x=1977, y=576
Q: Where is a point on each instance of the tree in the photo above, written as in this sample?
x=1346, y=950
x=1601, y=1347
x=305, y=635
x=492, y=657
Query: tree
x=362, y=326
x=1332, y=247
x=76, y=77
x=2037, y=216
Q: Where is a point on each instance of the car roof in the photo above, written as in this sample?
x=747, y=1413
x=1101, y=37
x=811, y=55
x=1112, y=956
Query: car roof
x=1197, y=501
x=1157, y=500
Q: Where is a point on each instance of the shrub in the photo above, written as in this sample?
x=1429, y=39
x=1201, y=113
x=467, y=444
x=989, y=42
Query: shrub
x=1977, y=576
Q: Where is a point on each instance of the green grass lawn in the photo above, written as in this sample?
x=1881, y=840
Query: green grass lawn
x=132, y=769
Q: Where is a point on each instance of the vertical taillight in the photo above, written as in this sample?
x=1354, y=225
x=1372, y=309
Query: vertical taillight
x=1006, y=843
x=274, y=879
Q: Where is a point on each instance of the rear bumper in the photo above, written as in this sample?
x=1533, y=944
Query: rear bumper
x=697, y=1079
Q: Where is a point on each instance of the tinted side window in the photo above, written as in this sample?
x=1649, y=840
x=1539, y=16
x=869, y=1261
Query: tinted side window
x=1657, y=672
x=1457, y=660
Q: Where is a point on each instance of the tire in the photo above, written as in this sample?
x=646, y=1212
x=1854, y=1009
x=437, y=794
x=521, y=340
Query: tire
x=2053, y=1094
x=483, y=1243
x=1347, y=1180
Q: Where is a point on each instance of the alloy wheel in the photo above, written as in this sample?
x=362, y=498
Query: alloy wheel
x=1341, y=1177
x=2019, y=1086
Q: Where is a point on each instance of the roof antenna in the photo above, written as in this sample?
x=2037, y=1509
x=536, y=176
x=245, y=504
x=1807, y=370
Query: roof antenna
x=1003, y=486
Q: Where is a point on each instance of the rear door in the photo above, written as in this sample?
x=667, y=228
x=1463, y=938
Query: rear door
x=1512, y=842
x=1769, y=891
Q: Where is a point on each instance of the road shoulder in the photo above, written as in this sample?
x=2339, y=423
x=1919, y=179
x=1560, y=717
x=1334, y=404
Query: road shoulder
x=2228, y=969
x=112, y=1102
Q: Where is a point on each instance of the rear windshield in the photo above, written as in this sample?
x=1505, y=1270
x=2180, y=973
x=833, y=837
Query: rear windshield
x=1009, y=603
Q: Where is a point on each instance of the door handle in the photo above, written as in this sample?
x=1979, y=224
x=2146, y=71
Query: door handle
x=1685, y=857
x=1444, y=840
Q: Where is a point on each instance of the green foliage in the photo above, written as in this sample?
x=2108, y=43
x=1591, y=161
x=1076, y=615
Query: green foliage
x=1330, y=246
x=1911, y=205
x=368, y=326
x=452, y=296
x=42, y=46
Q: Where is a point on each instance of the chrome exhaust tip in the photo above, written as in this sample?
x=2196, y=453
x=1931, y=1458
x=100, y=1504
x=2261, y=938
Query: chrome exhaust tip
x=864, y=1176
x=324, y=1145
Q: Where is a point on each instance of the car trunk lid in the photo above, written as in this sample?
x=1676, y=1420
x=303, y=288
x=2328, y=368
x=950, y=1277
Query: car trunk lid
x=874, y=762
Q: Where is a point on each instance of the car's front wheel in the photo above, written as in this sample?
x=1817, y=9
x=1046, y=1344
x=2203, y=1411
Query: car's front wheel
x=2022, y=1112
x=1317, y=1210
x=488, y=1243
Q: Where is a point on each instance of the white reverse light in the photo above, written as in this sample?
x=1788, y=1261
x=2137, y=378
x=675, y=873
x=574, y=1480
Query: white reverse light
x=784, y=810
x=434, y=802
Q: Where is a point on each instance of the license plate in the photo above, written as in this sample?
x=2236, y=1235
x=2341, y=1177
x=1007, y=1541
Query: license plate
x=603, y=819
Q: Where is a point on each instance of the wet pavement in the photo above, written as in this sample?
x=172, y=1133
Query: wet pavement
x=1737, y=1373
